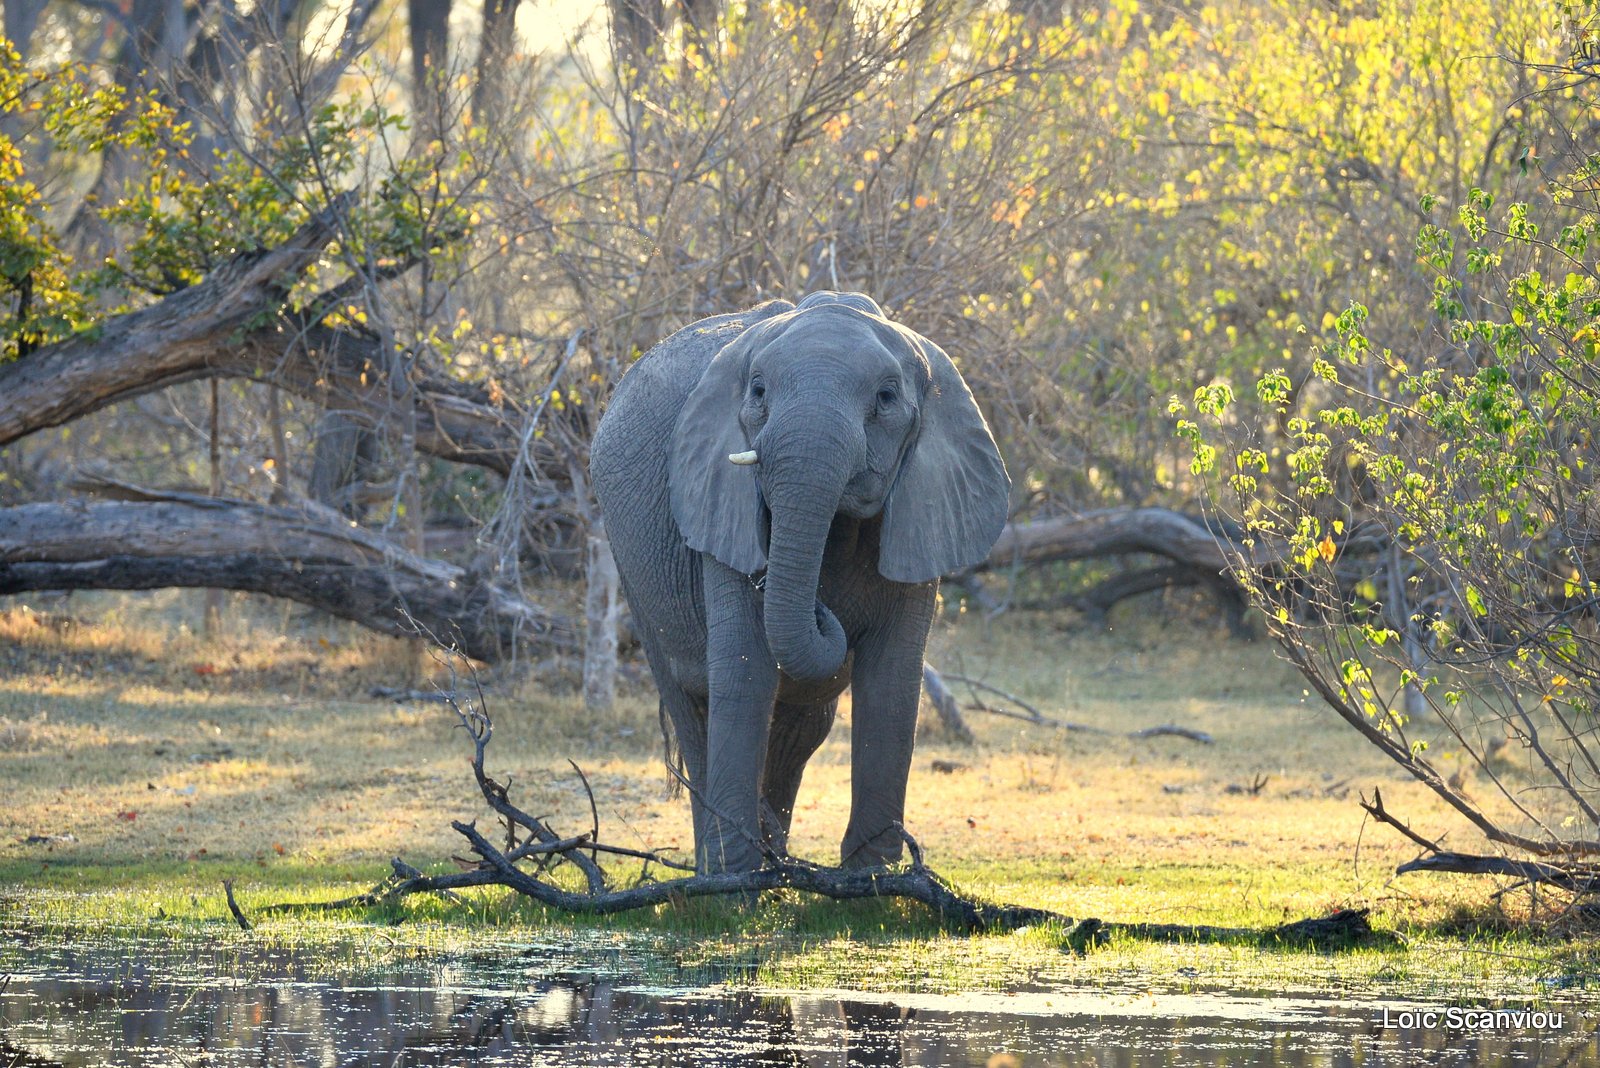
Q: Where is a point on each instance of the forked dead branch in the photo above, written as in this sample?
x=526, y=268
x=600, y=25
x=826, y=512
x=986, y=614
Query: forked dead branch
x=531, y=852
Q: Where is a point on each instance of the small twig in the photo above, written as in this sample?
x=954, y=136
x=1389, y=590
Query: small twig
x=976, y=684
x=1038, y=720
x=641, y=854
x=534, y=849
x=233, y=907
x=1174, y=731
x=594, y=810
x=1166, y=730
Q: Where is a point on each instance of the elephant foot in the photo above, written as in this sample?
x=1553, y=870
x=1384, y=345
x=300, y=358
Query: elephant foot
x=725, y=857
x=881, y=850
x=774, y=830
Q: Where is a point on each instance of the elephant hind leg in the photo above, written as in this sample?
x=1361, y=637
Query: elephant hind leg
x=797, y=731
x=683, y=726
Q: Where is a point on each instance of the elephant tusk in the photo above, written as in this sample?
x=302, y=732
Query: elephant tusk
x=743, y=459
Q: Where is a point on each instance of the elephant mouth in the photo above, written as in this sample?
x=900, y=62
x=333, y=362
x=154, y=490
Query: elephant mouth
x=864, y=495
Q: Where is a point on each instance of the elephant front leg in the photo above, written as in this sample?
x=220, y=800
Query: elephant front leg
x=886, y=689
x=743, y=681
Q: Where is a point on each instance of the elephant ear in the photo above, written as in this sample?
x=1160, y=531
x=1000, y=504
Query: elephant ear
x=717, y=503
x=949, y=503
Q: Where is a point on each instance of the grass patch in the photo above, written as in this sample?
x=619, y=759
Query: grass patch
x=144, y=765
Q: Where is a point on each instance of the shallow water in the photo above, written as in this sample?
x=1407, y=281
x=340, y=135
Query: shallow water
x=148, y=1002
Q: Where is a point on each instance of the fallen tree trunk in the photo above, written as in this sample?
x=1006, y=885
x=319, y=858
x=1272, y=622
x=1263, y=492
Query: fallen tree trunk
x=1113, y=532
x=196, y=333
x=144, y=350
x=316, y=559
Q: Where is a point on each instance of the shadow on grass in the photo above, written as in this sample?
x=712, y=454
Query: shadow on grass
x=1342, y=931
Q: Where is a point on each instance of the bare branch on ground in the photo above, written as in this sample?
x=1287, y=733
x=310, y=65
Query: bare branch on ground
x=915, y=881
x=1030, y=714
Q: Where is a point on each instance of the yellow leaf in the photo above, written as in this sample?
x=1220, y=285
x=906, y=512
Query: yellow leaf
x=1326, y=549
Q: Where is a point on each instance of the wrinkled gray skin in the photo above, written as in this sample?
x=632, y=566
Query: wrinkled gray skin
x=761, y=591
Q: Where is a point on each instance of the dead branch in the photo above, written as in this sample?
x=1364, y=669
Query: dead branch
x=915, y=881
x=1581, y=879
x=1376, y=810
x=183, y=338
x=979, y=684
x=1113, y=531
x=1344, y=925
x=1229, y=597
x=1577, y=878
x=401, y=695
x=480, y=728
x=1030, y=714
x=499, y=867
x=1170, y=730
x=62, y=382
x=944, y=703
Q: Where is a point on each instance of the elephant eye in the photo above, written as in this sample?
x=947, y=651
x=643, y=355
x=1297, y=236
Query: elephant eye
x=887, y=396
x=757, y=389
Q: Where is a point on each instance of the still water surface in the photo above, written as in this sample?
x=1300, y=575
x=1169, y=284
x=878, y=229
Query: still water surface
x=162, y=1003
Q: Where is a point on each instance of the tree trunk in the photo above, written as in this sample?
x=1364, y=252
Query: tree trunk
x=343, y=457
x=430, y=46
x=602, y=609
x=307, y=555
x=169, y=342
x=279, y=459
x=496, y=47
x=636, y=28
x=211, y=623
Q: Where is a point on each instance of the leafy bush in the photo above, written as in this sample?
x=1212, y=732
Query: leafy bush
x=1427, y=533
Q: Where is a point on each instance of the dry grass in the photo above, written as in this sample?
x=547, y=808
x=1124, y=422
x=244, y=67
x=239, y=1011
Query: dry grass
x=148, y=745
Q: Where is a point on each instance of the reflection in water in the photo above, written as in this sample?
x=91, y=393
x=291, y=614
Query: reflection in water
x=144, y=1003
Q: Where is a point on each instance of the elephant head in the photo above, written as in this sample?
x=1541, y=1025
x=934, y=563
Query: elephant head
x=830, y=408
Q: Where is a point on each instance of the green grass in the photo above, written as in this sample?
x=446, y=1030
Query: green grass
x=272, y=768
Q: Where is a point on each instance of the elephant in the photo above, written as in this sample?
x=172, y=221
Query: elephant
x=783, y=488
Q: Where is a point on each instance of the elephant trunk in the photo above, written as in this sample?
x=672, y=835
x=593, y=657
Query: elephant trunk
x=804, y=470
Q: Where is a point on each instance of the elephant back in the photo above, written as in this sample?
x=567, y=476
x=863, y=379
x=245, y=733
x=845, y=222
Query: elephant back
x=664, y=376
